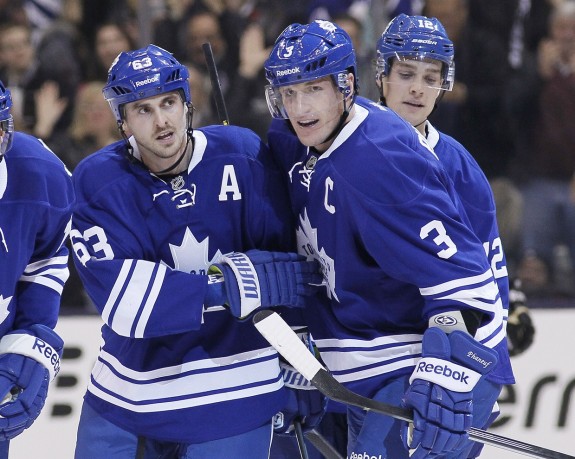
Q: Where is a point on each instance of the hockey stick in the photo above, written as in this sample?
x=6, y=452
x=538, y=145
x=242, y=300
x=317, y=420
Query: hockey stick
x=279, y=334
x=300, y=439
x=216, y=87
x=322, y=445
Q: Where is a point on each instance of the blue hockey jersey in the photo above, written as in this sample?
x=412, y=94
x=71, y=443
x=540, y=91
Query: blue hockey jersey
x=36, y=198
x=169, y=368
x=381, y=215
x=474, y=191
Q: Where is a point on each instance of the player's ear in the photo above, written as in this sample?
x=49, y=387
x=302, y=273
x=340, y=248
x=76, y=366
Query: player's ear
x=351, y=81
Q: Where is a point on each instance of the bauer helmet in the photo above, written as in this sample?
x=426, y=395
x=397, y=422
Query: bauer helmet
x=416, y=37
x=6, y=120
x=143, y=73
x=305, y=53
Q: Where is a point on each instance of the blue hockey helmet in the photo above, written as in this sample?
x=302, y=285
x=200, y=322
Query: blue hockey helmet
x=6, y=120
x=143, y=73
x=416, y=37
x=308, y=52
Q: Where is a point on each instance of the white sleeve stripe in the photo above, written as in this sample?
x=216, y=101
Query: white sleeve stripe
x=496, y=339
x=118, y=287
x=150, y=301
x=132, y=298
x=45, y=281
x=475, y=303
x=488, y=293
x=43, y=263
x=59, y=273
x=455, y=284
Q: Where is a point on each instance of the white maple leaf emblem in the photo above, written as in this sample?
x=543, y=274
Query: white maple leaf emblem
x=4, y=302
x=307, y=237
x=192, y=256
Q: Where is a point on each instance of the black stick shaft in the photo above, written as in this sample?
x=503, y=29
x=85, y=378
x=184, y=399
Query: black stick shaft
x=216, y=86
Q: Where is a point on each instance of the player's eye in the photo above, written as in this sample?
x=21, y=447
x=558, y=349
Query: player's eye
x=432, y=80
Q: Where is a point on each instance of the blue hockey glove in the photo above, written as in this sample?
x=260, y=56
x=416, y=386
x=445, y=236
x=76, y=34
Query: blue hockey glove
x=260, y=279
x=29, y=360
x=305, y=403
x=441, y=392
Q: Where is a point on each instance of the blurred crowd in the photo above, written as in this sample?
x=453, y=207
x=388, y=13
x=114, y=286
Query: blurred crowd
x=512, y=106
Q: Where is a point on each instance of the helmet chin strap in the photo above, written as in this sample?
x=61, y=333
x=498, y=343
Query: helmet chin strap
x=342, y=119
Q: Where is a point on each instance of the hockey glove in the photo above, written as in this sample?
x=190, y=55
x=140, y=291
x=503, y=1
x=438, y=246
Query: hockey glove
x=441, y=392
x=260, y=279
x=520, y=329
x=29, y=360
x=305, y=403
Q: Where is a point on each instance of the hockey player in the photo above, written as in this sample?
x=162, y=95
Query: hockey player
x=414, y=66
x=412, y=313
x=36, y=198
x=178, y=376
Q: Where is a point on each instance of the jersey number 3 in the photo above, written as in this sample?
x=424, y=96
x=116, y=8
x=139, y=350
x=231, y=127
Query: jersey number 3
x=441, y=238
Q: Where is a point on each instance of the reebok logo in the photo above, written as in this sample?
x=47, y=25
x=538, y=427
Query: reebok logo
x=444, y=370
x=281, y=73
x=364, y=456
x=151, y=79
x=48, y=353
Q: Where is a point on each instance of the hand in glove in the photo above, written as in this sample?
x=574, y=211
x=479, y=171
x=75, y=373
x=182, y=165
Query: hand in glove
x=29, y=360
x=441, y=392
x=260, y=279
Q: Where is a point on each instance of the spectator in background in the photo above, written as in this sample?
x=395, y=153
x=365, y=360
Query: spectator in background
x=110, y=40
x=204, y=111
x=549, y=214
x=176, y=13
x=202, y=27
x=473, y=111
x=12, y=12
x=39, y=84
x=247, y=104
x=93, y=126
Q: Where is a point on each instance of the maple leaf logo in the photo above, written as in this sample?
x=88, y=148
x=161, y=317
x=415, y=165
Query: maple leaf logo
x=4, y=302
x=191, y=256
x=307, y=242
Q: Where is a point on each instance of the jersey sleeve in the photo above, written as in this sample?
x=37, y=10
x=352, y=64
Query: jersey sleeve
x=135, y=297
x=45, y=225
x=412, y=225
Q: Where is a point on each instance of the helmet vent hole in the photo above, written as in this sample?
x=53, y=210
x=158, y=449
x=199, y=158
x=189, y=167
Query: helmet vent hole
x=175, y=75
x=317, y=64
x=119, y=90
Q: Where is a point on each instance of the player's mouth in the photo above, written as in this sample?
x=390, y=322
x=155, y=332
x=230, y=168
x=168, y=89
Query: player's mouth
x=414, y=104
x=165, y=137
x=307, y=123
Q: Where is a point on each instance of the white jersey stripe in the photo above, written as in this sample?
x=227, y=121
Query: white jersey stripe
x=150, y=301
x=456, y=284
x=132, y=298
x=118, y=286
